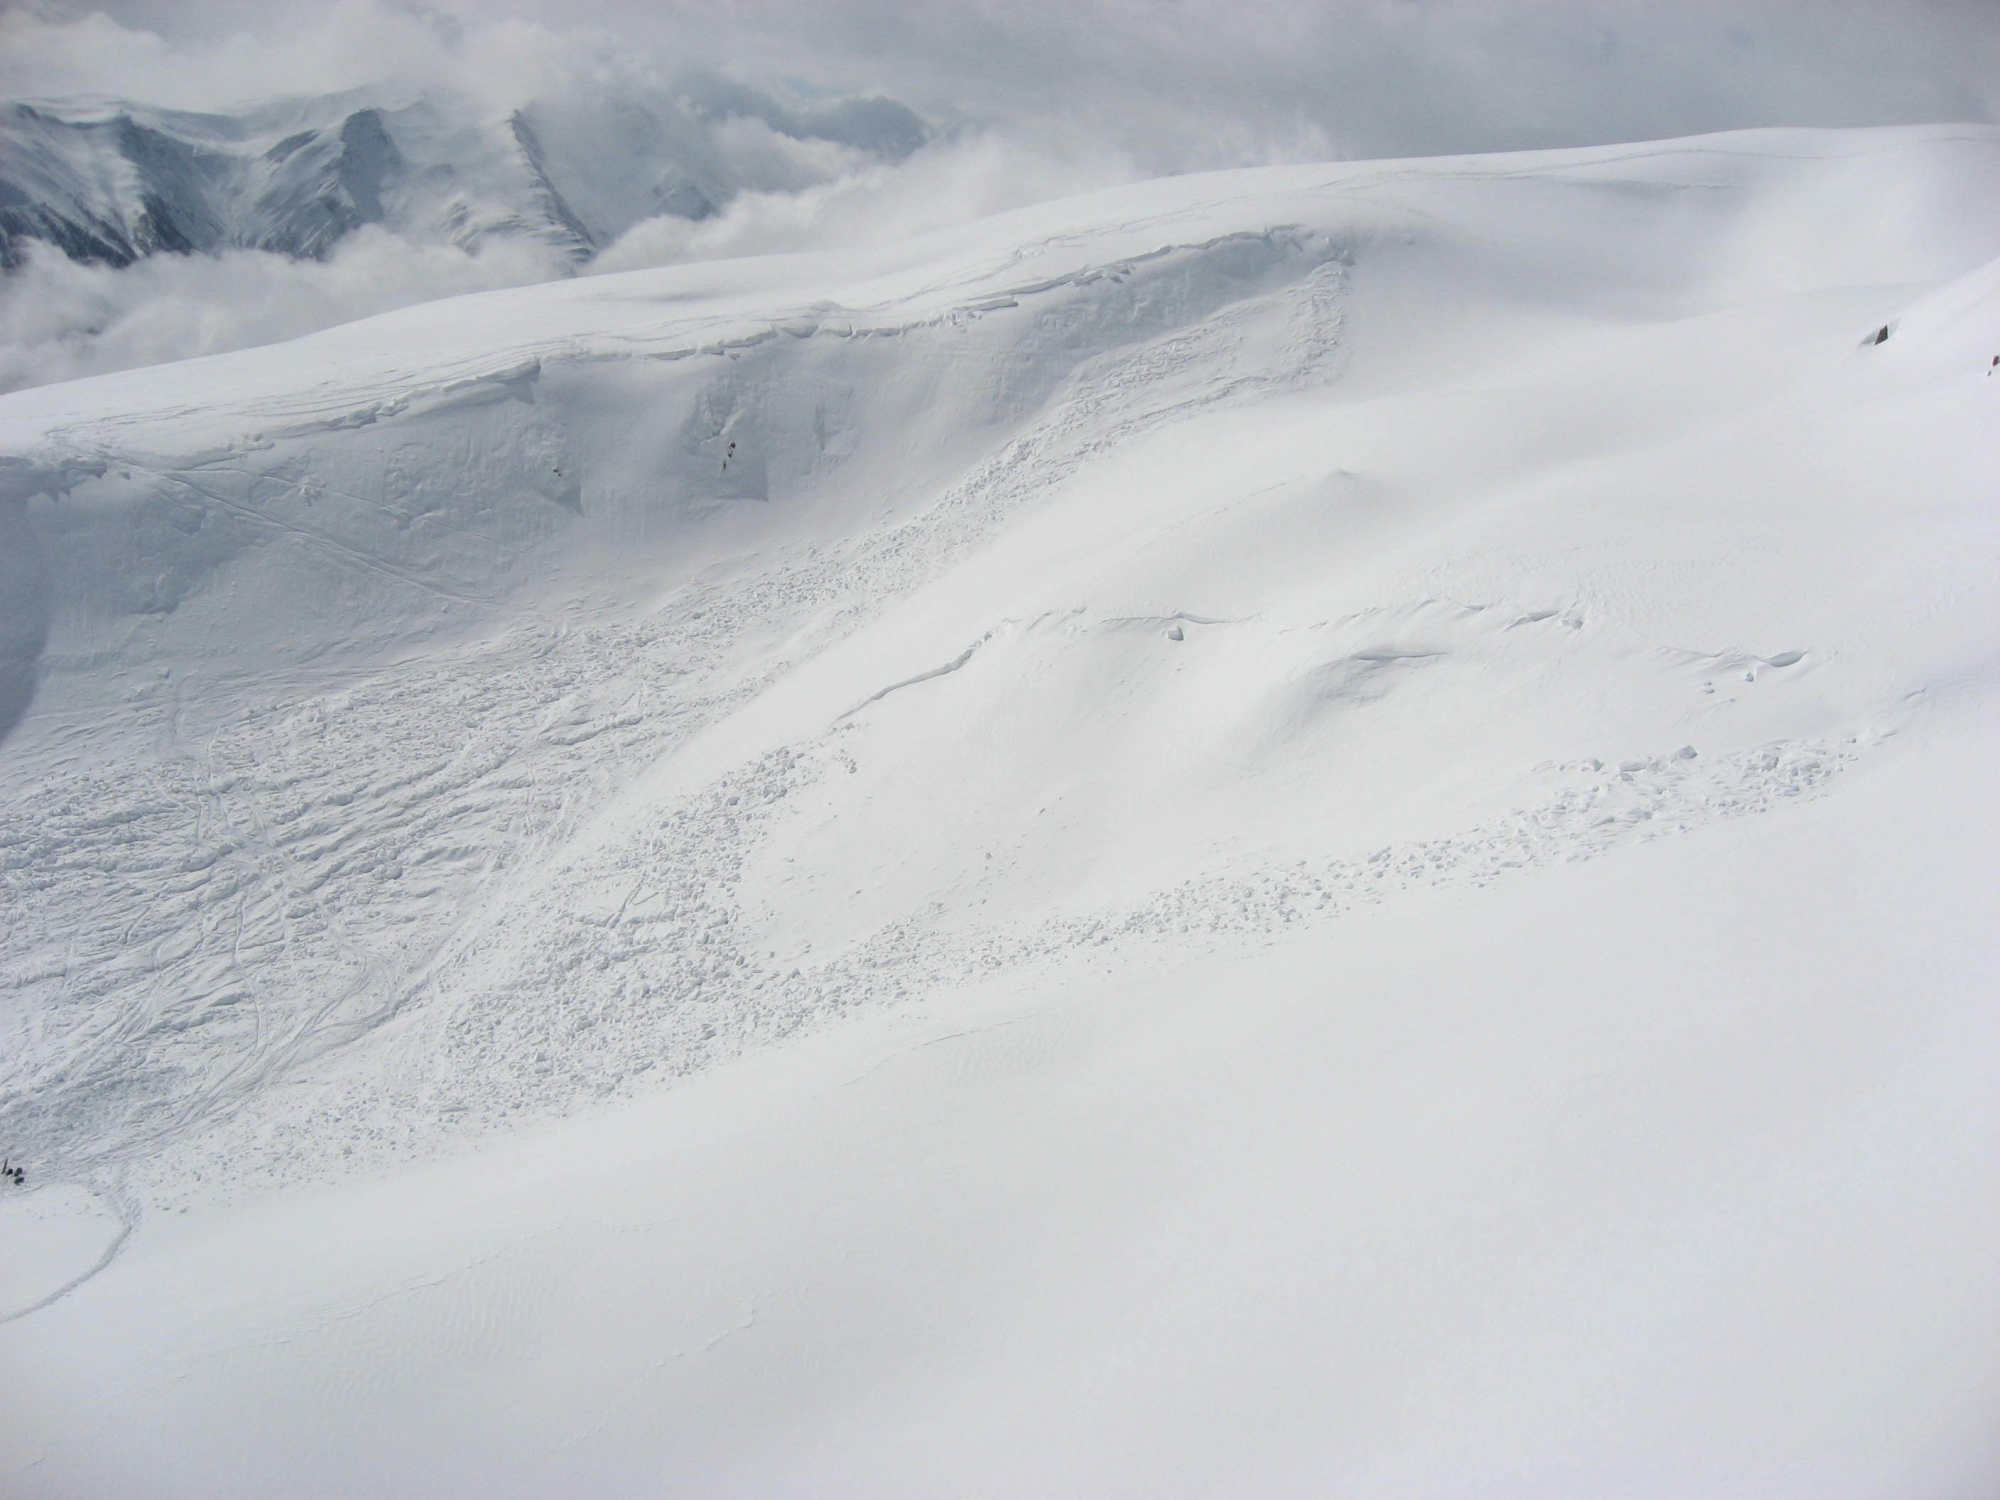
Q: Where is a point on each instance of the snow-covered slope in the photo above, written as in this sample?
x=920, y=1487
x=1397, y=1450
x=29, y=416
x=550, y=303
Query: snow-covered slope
x=109, y=181
x=1353, y=789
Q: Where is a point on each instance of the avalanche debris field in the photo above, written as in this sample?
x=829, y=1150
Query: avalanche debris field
x=1304, y=830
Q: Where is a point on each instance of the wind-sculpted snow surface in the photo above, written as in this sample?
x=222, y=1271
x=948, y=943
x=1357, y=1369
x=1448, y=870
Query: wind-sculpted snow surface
x=450, y=720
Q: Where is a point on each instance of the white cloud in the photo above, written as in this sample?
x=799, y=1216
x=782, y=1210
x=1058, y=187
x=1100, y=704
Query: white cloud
x=1194, y=83
x=949, y=182
x=298, y=50
x=60, y=320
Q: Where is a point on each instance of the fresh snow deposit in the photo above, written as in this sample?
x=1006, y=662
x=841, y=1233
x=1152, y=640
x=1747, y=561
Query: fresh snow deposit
x=1308, y=830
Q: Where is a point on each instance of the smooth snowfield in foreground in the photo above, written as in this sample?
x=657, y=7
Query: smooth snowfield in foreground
x=1311, y=831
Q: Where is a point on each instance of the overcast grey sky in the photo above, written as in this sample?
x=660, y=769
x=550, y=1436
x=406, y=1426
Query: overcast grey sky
x=1176, y=83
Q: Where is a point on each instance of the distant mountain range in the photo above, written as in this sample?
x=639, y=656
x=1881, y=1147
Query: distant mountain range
x=109, y=181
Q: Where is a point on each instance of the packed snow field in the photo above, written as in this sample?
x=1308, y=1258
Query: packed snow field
x=1309, y=830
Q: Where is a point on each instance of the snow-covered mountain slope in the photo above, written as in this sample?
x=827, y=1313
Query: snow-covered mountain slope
x=109, y=181
x=1355, y=786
